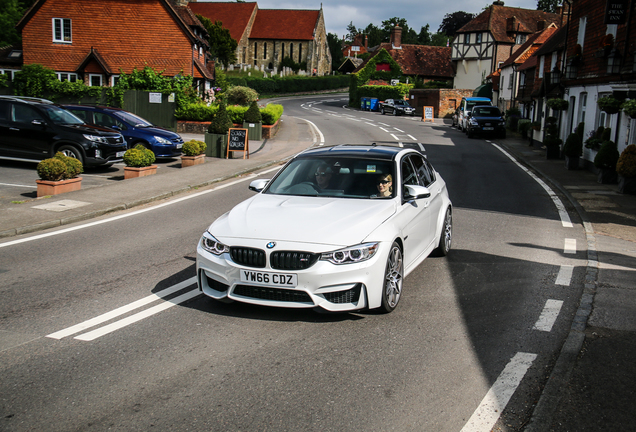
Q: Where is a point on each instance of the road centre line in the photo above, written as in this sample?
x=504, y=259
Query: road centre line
x=122, y=310
x=569, y=246
x=548, y=316
x=398, y=130
x=411, y=136
x=565, y=275
x=491, y=407
x=134, y=213
x=16, y=185
x=92, y=335
x=563, y=214
x=385, y=130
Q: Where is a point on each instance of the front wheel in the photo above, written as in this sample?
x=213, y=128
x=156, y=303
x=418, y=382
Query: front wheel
x=395, y=113
x=393, y=277
x=446, y=237
x=71, y=151
x=382, y=111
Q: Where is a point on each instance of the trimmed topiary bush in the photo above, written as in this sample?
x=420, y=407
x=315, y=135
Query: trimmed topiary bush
x=253, y=114
x=573, y=146
x=52, y=169
x=607, y=156
x=240, y=95
x=626, y=165
x=194, y=148
x=73, y=166
x=221, y=121
x=139, y=157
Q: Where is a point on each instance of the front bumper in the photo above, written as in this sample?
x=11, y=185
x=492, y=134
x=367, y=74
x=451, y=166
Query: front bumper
x=334, y=288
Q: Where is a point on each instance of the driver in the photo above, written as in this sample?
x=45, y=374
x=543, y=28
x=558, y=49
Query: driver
x=323, y=176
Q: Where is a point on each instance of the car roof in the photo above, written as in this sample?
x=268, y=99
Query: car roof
x=477, y=99
x=26, y=99
x=91, y=107
x=372, y=151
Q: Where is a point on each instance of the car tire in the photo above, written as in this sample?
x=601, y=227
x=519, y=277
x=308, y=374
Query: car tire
x=382, y=111
x=393, y=279
x=446, y=237
x=70, y=151
x=395, y=113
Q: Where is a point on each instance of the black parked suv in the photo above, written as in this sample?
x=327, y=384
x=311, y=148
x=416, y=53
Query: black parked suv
x=486, y=120
x=33, y=129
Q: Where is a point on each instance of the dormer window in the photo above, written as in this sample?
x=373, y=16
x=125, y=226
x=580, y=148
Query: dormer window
x=478, y=35
x=62, y=30
x=521, y=39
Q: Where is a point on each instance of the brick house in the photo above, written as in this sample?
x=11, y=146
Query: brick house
x=266, y=36
x=482, y=45
x=95, y=40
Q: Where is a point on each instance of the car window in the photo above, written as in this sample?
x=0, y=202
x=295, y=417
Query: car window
x=24, y=114
x=107, y=120
x=132, y=119
x=84, y=115
x=60, y=115
x=487, y=111
x=424, y=174
x=409, y=177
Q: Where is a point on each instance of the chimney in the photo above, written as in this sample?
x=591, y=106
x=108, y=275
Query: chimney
x=511, y=24
x=540, y=25
x=396, y=37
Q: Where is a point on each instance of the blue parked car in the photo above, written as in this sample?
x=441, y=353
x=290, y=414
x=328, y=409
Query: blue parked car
x=136, y=130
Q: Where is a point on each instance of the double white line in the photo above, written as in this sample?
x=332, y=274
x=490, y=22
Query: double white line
x=128, y=308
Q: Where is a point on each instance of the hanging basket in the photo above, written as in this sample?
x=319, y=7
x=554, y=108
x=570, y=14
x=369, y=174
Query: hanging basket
x=609, y=104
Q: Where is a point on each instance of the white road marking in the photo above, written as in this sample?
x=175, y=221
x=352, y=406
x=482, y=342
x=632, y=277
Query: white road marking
x=385, y=130
x=569, y=246
x=138, y=316
x=394, y=137
x=16, y=185
x=548, y=315
x=398, y=130
x=412, y=137
x=321, y=139
x=121, y=310
x=565, y=275
x=563, y=214
x=488, y=412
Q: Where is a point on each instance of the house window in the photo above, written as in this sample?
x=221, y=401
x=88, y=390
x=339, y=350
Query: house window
x=466, y=38
x=581, y=36
x=300, y=53
x=582, y=108
x=282, y=50
x=265, y=51
x=62, y=30
x=291, y=50
x=521, y=39
x=244, y=54
x=255, y=51
x=114, y=80
x=541, y=66
x=95, y=80
x=9, y=73
x=478, y=38
x=66, y=76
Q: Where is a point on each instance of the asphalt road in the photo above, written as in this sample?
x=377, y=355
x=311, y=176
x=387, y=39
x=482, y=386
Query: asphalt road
x=468, y=325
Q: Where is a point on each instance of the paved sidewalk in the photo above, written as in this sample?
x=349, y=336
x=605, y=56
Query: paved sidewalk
x=593, y=384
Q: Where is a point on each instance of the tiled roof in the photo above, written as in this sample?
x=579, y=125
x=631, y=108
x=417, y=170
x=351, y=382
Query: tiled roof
x=533, y=43
x=422, y=60
x=495, y=20
x=235, y=16
x=285, y=24
x=556, y=42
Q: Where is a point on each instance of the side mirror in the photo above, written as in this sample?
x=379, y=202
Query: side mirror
x=258, y=185
x=416, y=192
x=38, y=122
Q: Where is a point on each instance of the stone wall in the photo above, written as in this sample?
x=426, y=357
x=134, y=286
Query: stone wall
x=443, y=101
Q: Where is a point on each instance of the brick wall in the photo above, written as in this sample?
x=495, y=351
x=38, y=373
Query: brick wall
x=443, y=101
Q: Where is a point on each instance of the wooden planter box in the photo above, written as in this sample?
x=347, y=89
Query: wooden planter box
x=47, y=187
x=216, y=145
x=131, y=172
x=187, y=161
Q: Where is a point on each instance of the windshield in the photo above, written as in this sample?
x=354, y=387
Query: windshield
x=485, y=111
x=335, y=177
x=132, y=119
x=402, y=102
x=470, y=105
x=61, y=116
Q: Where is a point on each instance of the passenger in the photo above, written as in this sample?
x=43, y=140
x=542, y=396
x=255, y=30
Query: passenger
x=323, y=176
x=384, y=185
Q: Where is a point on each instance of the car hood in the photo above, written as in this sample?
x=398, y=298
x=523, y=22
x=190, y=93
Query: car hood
x=158, y=131
x=334, y=221
x=91, y=129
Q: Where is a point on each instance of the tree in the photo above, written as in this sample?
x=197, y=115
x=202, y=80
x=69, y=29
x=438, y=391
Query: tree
x=453, y=22
x=10, y=13
x=335, y=48
x=439, y=39
x=352, y=32
x=222, y=46
x=376, y=35
x=548, y=5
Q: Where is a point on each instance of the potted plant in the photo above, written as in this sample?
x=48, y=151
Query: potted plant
x=558, y=104
x=193, y=153
x=609, y=104
x=605, y=160
x=536, y=125
x=572, y=150
x=59, y=174
x=523, y=127
x=253, y=122
x=216, y=136
x=551, y=141
x=139, y=162
x=606, y=44
x=626, y=170
x=629, y=108
x=596, y=138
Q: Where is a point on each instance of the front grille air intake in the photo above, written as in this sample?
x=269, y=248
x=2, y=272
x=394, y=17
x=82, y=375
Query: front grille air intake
x=292, y=260
x=273, y=294
x=248, y=257
x=340, y=297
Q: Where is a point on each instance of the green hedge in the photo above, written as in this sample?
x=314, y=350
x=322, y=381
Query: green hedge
x=291, y=84
x=383, y=92
x=201, y=112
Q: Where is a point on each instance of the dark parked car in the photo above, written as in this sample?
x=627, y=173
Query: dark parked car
x=136, y=130
x=486, y=120
x=33, y=129
x=396, y=107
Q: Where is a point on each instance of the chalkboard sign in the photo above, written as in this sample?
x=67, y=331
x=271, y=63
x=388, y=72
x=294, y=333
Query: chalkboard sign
x=427, y=113
x=237, y=141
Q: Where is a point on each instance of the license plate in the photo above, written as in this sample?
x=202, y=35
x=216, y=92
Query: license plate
x=489, y=128
x=289, y=280
x=120, y=154
x=179, y=146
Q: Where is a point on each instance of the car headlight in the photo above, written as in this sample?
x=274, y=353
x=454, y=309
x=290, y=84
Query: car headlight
x=352, y=254
x=163, y=141
x=96, y=138
x=212, y=245
x=473, y=122
x=502, y=123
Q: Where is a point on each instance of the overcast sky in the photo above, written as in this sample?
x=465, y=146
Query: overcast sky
x=418, y=13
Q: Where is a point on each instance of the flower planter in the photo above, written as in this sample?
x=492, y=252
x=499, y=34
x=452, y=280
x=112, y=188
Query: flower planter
x=607, y=176
x=132, y=172
x=187, y=161
x=627, y=185
x=216, y=145
x=254, y=130
x=47, y=187
x=572, y=162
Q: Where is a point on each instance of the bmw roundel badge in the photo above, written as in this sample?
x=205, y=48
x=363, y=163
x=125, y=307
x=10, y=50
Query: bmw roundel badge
x=271, y=245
